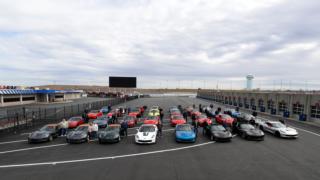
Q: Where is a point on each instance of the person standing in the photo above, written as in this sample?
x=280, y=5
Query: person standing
x=95, y=129
x=200, y=108
x=195, y=127
x=205, y=125
x=63, y=127
x=193, y=118
x=124, y=127
x=161, y=114
x=159, y=125
x=185, y=115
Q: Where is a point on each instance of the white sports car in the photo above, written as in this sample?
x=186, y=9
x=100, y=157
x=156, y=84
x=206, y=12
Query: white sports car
x=278, y=129
x=147, y=134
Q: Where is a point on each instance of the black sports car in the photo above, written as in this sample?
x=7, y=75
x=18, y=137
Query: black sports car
x=246, y=118
x=44, y=134
x=110, y=135
x=217, y=132
x=247, y=131
x=79, y=135
x=101, y=121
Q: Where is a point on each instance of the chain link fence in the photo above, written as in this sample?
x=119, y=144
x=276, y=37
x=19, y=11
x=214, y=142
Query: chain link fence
x=17, y=119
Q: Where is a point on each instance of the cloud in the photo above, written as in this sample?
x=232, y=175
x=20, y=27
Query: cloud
x=197, y=43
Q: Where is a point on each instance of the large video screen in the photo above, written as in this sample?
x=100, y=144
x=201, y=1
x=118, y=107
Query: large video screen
x=123, y=82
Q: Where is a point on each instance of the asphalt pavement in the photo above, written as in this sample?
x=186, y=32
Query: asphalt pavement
x=273, y=158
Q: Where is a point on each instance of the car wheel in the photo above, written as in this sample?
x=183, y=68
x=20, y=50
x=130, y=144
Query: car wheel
x=261, y=128
x=212, y=137
x=277, y=134
x=29, y=141
x=100, y=142
x=243, y=135
x=50, y=138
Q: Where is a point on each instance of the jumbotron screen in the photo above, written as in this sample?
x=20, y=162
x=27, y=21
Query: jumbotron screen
x=122, y=82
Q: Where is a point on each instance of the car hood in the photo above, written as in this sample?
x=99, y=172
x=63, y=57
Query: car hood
x=109, y=134
x=185, y=134
x=76, y=133
x=256, y=132
x=36, y=134
x=288, y=130
x=150, y=121
x=146, y=134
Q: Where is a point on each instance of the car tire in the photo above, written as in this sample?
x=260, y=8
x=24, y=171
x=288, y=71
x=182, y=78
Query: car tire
x=212, y=137
x=100, y=142
x=277, y=134
x=243, y=135
x=67, y=140
x=29, y=141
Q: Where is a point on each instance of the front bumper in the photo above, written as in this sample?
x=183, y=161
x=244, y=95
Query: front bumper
x=107, y=140
x=289, y=136
x=185, y=139
x=37, y=140
x=145, y=141
x=82, y=140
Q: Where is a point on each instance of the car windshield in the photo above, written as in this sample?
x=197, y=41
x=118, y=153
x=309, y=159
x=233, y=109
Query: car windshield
x=94, y=111
x=47, y=128
x=75, y=119
x=246, y=126
x=184, y=128
x=152, y=118
x=177, y=117
x=278, y=125
x=218, y=128
x=147, y=129
x=82, y=128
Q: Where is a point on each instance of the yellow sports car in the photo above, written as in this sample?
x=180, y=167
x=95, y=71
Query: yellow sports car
x=154, y=112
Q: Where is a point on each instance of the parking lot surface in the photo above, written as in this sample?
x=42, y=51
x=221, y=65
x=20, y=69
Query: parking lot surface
x=273, y=158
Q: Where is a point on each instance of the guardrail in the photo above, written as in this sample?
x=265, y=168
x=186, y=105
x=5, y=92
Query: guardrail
x=14, y=120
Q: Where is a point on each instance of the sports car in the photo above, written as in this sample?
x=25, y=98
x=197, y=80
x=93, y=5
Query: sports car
x=154, y=112
x=177, y=119
x=202, y=119
x=110, y=135
x=232, y=112
x=135, y=112
x=131, y=120
x=151, y=120
x=185, y=133
x=146, y=134
x=278, y=129
x=101, y=121
x=217, y=132
x=44, y=134
x=224, y=119
x=246, y=118
x=196, y=113
x=93, y=114
x=175, y=112
x=247, y=131
x=74, y=122
x=79, y=135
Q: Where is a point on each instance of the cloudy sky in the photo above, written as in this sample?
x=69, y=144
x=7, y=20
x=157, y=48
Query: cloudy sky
x=165, y=43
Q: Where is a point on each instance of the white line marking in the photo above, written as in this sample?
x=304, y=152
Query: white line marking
x=22, y=134
x=26, y=149
x=9, y=142
x=104, y=158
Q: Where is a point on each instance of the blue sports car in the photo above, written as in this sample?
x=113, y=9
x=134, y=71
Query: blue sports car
x=185, y=133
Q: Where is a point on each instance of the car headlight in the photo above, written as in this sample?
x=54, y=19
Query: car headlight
x=137, y=137
x=153, y=136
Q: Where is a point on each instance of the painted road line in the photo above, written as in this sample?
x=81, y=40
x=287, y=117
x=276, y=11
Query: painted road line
x=27, y=149
x=104, y=158
x=9, y=142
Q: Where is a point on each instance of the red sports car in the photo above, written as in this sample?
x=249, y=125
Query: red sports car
x=224, y=119
x=131, y=120
x=196, y=113
x=177, y=119
x=75, y=121
x=93, y=114
x=203, y=118
x=152, y=120
x=135, y=112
